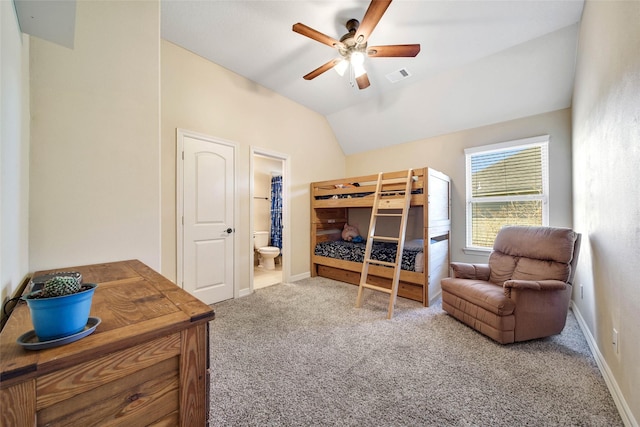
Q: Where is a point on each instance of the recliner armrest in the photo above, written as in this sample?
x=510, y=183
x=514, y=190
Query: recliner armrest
x=463, y=270
x=536, y=285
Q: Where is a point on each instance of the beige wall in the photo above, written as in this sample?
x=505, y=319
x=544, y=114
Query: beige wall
x=200, y=96
x=14, y=153
x=446, y=154
x=102, y=174
x=606, y=164
x=95, y=191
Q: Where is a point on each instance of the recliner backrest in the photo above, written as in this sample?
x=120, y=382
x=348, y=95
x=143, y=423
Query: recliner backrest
x=532, y=253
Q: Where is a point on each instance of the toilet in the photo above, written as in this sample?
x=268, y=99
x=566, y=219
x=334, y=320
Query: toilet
x=267, y=253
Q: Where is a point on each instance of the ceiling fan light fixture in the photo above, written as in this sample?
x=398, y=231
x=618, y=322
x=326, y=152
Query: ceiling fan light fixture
x=358, y=70
x=357, y=58
x=341, y=67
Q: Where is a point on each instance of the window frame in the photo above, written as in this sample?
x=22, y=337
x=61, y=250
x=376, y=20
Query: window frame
x=541, y=141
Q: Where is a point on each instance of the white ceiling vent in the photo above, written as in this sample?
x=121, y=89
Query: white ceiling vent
x=396, y=76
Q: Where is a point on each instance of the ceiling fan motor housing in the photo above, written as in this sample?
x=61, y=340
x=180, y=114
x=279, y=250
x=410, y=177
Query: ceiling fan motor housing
x=349, y=41
x=352, y=25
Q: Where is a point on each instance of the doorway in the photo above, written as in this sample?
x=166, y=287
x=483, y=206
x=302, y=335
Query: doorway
x=269, y=216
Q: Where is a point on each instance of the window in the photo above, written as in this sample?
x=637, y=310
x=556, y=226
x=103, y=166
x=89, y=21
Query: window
x=507, y=184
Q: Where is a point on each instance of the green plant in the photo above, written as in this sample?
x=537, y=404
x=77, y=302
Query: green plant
x=59, y=286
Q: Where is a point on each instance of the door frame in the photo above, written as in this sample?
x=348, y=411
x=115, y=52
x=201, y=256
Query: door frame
x=180, y=134
x=286, y=219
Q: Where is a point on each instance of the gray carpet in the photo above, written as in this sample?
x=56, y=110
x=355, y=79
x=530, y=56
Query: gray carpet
x=301, y=354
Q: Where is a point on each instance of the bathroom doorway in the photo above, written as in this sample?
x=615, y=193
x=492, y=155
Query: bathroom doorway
x=269, y=218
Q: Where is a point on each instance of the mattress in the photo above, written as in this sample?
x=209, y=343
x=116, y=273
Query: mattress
x=412, y=256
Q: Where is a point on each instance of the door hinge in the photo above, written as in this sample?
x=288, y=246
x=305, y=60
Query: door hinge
x=183, y=155
x=183, y=220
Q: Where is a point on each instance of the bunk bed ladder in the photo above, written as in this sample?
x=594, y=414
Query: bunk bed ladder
x=390, y=201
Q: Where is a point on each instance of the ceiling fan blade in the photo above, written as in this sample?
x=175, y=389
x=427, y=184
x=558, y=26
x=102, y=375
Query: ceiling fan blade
x=403, y=50
x=321, y=69
x=371, y=18
x=316, y=35
x=363, y=81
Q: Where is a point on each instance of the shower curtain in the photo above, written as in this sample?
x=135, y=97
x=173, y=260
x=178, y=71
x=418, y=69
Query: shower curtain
x=276, y=211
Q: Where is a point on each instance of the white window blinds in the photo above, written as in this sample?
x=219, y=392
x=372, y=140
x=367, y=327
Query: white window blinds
x=507, y=184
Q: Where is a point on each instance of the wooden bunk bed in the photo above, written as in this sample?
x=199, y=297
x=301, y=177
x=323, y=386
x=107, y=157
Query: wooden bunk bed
x=334, y=202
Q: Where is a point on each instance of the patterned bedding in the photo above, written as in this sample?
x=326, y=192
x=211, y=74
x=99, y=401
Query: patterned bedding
x=412, y=257
x=356, y=195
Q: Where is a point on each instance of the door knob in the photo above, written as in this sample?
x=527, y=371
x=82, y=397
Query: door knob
x=229, y=230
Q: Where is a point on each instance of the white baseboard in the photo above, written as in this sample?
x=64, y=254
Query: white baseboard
x=244, y=292
x=247, y=291
x=434, y=298
x=625, y=413
x=300, y=276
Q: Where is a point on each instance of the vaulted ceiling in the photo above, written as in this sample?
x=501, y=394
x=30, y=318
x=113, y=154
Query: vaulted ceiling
x=481, y=62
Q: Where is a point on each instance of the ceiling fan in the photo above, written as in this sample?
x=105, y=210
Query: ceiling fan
x=352, y=47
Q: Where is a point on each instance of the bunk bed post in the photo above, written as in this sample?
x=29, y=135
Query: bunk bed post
x=437, y=228
x=425, y=237
x=314, y=238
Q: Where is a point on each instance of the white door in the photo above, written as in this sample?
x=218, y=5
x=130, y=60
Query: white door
x=208, y=216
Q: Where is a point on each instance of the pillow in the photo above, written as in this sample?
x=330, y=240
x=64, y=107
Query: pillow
x=415, y=244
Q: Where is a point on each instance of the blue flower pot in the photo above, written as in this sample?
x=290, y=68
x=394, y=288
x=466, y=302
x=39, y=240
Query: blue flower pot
x=59, y=317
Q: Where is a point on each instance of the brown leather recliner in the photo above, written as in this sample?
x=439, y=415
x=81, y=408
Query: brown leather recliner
x=524, y=291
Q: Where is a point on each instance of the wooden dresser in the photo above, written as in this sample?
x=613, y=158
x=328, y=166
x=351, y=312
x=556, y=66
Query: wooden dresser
x=145, y=364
